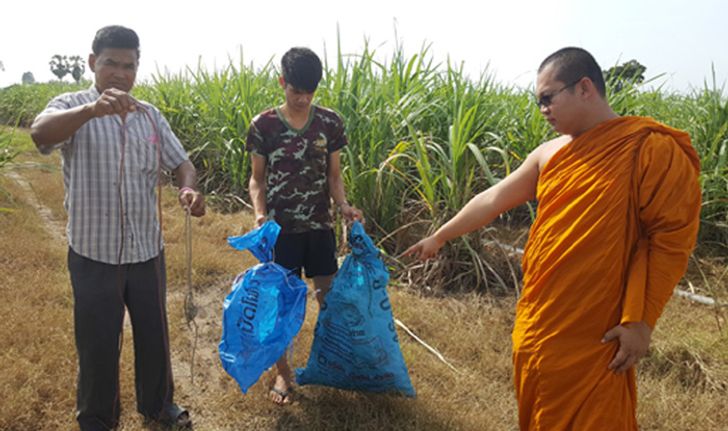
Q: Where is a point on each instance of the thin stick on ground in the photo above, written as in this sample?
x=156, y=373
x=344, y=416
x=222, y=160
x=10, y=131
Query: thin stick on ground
x=427, y=346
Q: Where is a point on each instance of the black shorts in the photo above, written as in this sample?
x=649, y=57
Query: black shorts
x=314, y=251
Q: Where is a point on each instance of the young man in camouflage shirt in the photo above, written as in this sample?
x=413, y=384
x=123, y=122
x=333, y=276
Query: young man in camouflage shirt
x=296, y=173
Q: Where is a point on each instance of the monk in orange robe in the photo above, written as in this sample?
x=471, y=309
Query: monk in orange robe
x=618, y=213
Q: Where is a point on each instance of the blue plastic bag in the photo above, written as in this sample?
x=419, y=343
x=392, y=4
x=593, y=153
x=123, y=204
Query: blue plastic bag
x=355, y=345
x=263, y=312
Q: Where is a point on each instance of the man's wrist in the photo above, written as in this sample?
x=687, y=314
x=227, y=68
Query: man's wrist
x=438, y=237
x=88, y=111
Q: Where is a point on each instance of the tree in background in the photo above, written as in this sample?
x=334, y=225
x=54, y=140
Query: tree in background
x=630, y=73
x=2, y=67
x=77, y=67
x=28, y=78
x=60, y=66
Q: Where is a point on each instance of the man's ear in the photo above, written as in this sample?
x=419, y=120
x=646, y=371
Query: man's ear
x=586, y=87
x=92, y=62
x=282, y=82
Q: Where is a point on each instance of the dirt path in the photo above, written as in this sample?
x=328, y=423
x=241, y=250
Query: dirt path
x=56, y=229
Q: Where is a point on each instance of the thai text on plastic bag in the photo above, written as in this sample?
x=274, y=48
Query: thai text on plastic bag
x=263, y=312
x=355, y=344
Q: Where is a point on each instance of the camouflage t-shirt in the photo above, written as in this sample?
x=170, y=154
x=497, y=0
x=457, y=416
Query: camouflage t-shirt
x=297, y=191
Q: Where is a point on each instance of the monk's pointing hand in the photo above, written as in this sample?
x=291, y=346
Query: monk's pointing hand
x=634, y=340
x=425, y=249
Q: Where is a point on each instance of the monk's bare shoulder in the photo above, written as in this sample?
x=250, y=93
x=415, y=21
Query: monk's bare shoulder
x=545, y=151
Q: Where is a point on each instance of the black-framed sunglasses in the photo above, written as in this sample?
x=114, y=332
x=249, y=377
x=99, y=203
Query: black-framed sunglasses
x=547, y=99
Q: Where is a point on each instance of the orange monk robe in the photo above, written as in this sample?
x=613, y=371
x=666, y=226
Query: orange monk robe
x=618, y=214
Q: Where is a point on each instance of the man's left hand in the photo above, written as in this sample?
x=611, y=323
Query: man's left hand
x=634, y=340
x=194, y=200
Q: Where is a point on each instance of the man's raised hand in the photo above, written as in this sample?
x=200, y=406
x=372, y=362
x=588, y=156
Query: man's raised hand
x=113, y=101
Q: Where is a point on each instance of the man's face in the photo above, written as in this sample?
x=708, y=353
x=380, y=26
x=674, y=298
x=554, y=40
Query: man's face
x=114, y=68
x=558, y=102
x=296, y=99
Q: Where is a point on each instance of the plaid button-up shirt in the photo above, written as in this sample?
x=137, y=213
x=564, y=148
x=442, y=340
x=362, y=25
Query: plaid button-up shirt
x=112, y=215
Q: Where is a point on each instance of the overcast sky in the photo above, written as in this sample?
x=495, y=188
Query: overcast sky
x=681, y=39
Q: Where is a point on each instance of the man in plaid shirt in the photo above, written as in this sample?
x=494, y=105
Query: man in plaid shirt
x=113, y=149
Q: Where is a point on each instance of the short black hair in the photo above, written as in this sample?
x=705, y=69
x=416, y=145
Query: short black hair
x=574, y=63
x=115, y=36
x=301, y=68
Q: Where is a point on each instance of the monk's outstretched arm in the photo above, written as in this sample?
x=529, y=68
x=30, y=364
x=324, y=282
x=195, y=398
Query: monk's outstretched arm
x=514, y=190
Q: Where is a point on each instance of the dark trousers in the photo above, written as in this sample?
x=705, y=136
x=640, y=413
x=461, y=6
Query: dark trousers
x=101, y=292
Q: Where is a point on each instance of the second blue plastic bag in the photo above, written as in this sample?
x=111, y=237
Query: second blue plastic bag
x=355, y=345
x=263, y=312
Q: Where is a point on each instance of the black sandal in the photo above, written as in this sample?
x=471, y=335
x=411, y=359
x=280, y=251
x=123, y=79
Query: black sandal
x=174, y=417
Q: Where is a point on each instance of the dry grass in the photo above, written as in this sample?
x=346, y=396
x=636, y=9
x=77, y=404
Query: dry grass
x=37, y=359
x=683, y=382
